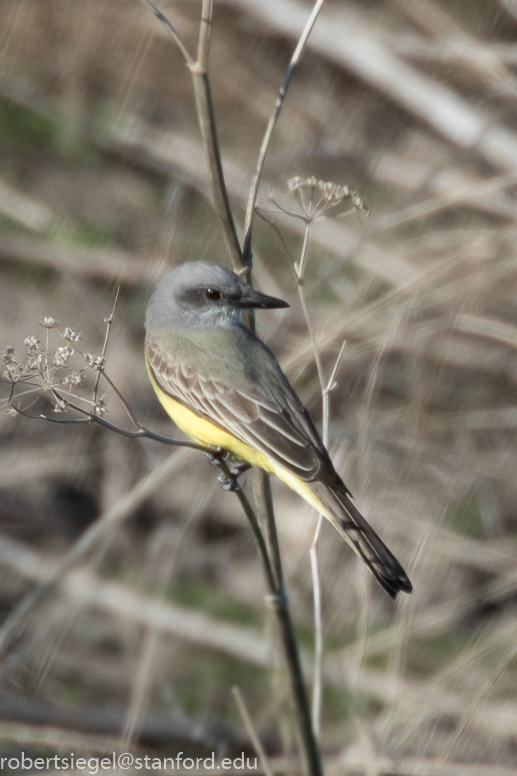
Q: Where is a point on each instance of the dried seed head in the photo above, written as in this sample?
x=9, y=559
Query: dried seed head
x=316, y=196
x=12, y=412
x=71, y=335
x=62, y=355
x=48, y=322
x=8, y=355
x=295, y=184
x=59, y=406
x=36, y=362
x=99, y=407
x=31, y=343
x=94, y=362
x=74, y=378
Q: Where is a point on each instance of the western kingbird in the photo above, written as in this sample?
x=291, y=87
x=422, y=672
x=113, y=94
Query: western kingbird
x=223, y=387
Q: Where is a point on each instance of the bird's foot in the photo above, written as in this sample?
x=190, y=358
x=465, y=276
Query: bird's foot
x=230, y=470
x=237, y=467
x=215, y=456
x=230, y=483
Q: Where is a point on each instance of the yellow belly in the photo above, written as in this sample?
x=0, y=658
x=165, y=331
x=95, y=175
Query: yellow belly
x=206, y=433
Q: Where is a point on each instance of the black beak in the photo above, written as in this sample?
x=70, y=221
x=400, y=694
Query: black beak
x=253, y=299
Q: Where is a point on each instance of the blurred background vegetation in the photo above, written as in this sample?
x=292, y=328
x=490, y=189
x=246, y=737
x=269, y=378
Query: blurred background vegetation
x=103, y=182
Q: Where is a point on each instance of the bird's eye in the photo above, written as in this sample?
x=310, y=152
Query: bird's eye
x=213, y=294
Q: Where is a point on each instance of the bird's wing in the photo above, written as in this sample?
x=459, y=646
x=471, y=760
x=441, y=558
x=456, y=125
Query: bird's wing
x=281, y=430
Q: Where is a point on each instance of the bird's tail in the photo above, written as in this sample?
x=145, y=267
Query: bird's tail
x=359, y=534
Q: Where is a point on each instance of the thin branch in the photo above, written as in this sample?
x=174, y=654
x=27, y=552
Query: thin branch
x=205, y=34
x=273, y=225
x=313, y=553
x=125, y=404
x=290, y=213
x=317, y=680
x=257, y=534
x=252, y=199
x=299, y=267
x=109, y=323
x=326, y=388
x=332, y=380
x=208, y=128
x=280, y=606
x=207, y=125
x=189, y=59
x=252, y=733
x=142, y=433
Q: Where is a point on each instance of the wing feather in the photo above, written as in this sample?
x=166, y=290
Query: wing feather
x=288, y=437
x=276, y=423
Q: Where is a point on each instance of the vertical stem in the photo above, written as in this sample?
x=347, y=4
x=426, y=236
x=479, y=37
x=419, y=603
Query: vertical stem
x=313, y=552
x=318, y=633
x=109, y=324
x=248, y=227
x=280, y=605
x=317, y=683
x=263, y=496
x=205, y=34
x=326, y=387
x=248, y=724
x=208, y=128
x=303, y=302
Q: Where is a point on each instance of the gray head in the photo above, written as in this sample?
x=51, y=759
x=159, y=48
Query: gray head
x=198, y=295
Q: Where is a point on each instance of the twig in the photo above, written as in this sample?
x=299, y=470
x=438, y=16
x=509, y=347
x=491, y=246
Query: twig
x=88, y=418
x=326, y=394
x=124, y=402
x=252, y=199
x=313, y=554
x=317, y=675
x=299, y=267
x=207, y=125
x=326, y=388
x=280, y=607
x=109, y=323
x=173, y=31
x=252, y=733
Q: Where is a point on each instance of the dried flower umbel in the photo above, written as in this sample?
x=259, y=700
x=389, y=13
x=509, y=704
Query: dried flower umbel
x=62, y=355
x=8, y=355
x=317, y=199
x=94, y=362
x=70, y=335
x=48, y=322
x=74, y=378
x=40, y=372
x=32, y=345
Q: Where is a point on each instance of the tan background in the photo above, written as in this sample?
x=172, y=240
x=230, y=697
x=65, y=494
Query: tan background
x=103, y=181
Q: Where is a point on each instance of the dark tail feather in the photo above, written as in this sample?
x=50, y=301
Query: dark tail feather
x=363, y=540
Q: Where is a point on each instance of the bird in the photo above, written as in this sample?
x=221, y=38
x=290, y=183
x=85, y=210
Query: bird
x=224, y=388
